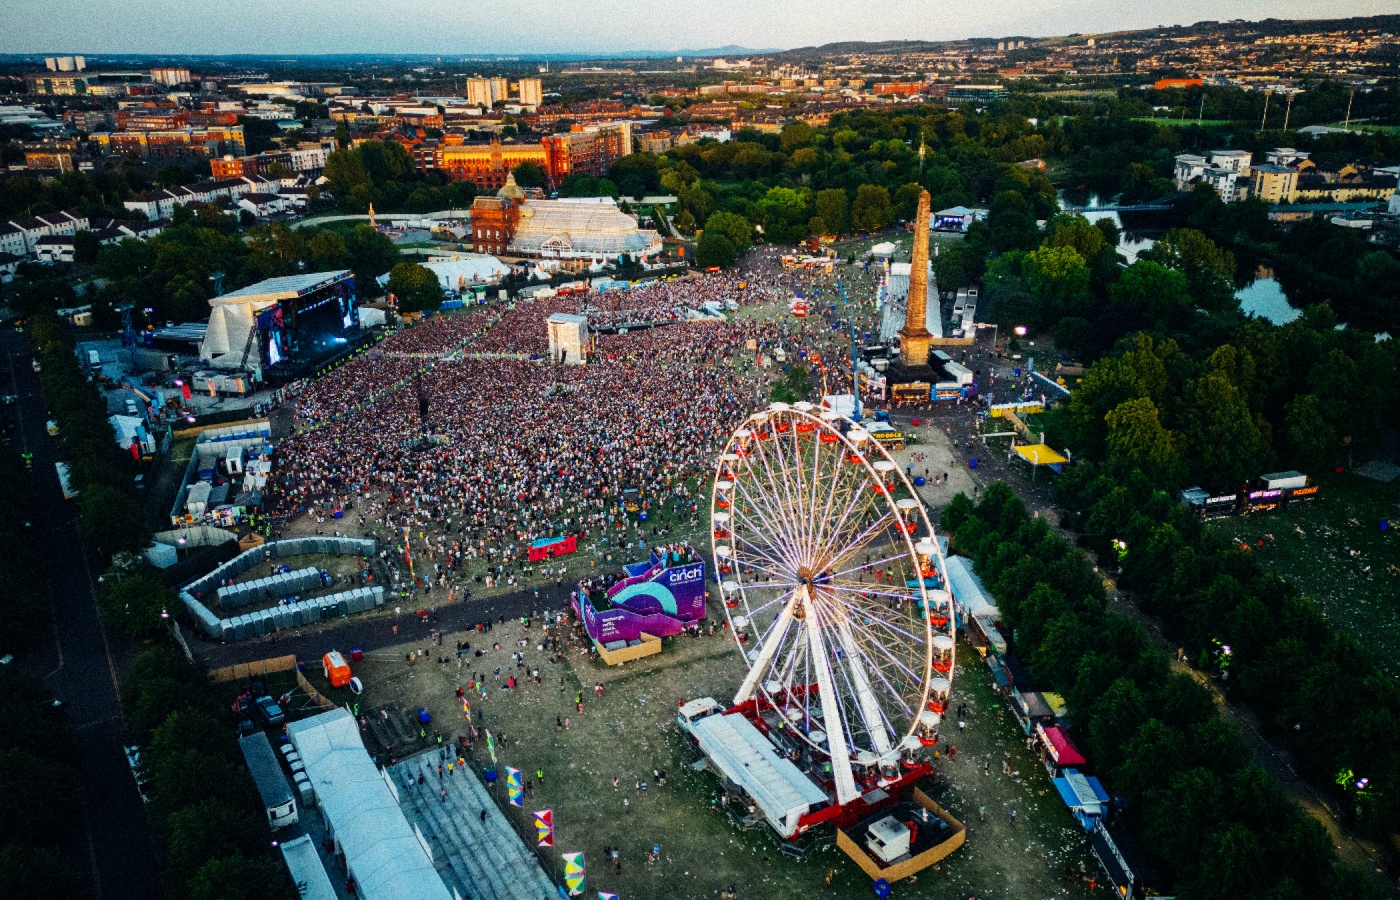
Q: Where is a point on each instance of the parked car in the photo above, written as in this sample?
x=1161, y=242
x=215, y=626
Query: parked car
x=269, y=711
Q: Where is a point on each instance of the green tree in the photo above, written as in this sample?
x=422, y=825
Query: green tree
x=794, y=386
x=415, y=288
x=530, y=174
x=784, y=213
x=133, y=603
x=715, y=248
x=1138, y=440
x=238, y=877
x=734, y=226
x=796, y=135
x=1159, y=293
x=344, y=171
x=1058, y=274
x=110, y=521
x=872, y=209
x=831, y=208
x=1209, y=270
x=86, y=246
x=1309, y=441
x=36, y=873
x=1228, y=445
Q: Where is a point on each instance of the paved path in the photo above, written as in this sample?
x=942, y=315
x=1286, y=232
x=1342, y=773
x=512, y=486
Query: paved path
x=376, y=632
x=114, y=843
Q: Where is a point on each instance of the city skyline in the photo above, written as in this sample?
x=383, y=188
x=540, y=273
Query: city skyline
x=374, y=26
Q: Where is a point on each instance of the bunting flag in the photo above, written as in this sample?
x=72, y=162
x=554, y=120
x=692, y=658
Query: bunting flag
x=491, y=747
x=574, y=874
x=544, y=827
x=513, y=787
x=604, y=895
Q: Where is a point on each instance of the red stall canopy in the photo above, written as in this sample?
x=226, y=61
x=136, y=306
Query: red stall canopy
x=1062, y=749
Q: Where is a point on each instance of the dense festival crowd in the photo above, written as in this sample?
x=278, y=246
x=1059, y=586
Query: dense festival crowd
x=472, y=458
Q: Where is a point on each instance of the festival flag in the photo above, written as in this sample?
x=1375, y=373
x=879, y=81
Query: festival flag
x=544, y=827
x=574, y=875
x=604, y=895
x=513, y=787
x=491, y=747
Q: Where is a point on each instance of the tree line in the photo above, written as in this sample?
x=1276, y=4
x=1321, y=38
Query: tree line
x=1216, y=824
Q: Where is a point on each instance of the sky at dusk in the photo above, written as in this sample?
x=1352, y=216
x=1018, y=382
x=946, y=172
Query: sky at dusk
x=543, y=26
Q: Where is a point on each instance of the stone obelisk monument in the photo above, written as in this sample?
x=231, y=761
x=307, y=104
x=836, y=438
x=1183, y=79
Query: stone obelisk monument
x=914, y=337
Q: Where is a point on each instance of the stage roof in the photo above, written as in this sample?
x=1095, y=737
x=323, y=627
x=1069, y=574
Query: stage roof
x=285, y=288
x=1040, y=455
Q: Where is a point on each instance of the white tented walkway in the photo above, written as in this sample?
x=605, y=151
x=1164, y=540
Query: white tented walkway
x=483, y=861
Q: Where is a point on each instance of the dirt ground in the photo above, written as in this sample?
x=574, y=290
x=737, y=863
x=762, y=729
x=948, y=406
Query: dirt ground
x=631, y=731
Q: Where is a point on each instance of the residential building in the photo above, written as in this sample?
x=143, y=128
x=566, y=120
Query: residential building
x=9, y=265
x=13, y=241
x=307, y=157
x=1227, y=171
x=530, y=91
x=487, y=91
x=264, y=205
x=1231, y=160
x=31, y=230
x=210, y=141
x=653, y=141
x=1274, y=183
x=171, y=76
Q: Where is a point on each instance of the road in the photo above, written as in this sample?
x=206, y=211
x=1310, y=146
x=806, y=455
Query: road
x=115, y=842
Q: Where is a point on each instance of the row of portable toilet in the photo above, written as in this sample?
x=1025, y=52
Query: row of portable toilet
x=273, y=587
x=204, y=617
x=340, y=546
x=302, y=612
x=290, y=547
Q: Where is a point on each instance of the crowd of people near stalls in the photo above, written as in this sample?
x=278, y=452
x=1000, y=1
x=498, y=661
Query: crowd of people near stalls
x=511, y=450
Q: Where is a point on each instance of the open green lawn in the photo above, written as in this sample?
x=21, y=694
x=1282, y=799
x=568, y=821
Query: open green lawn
x=1189, y=120
x=632, y=730
x=1308, y=544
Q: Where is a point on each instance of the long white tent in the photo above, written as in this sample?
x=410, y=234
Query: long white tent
x=734, y=746
x=382, y=852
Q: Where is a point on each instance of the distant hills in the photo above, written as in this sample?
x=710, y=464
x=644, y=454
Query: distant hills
x=1233, y=28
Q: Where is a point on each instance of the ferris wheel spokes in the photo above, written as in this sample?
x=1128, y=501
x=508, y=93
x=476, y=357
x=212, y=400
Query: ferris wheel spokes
x=832, y=720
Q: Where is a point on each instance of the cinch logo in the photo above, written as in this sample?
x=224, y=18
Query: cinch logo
x=677, y=576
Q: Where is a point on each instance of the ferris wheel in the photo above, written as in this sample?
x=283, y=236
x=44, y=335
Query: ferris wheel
x=834, y=586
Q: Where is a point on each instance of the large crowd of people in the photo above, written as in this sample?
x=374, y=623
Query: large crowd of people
x=470, y=458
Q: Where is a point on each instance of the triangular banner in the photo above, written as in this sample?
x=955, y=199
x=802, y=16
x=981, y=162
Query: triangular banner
x=574, y=874
x=513, y=787
x=544, y=827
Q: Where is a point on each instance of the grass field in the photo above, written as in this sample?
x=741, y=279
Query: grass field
x=631, y=731
x=1307, y=545
x=1189, y=120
